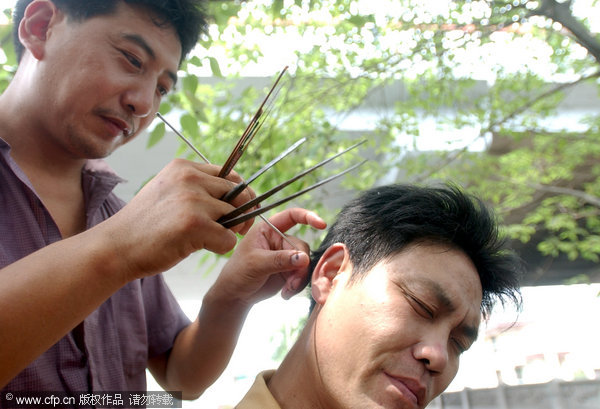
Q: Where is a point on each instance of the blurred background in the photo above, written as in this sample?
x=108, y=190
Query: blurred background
x=499, y=97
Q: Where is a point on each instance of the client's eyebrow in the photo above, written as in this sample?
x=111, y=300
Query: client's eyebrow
x=441, y=296
x=141, y=42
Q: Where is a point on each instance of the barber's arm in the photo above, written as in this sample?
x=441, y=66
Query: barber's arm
x=46, y=294
x=261, y=265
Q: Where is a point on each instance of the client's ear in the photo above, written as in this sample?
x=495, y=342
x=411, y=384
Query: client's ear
x=334, y=261
x=38, y=19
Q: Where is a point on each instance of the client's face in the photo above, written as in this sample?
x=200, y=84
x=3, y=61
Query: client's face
x=394, y=338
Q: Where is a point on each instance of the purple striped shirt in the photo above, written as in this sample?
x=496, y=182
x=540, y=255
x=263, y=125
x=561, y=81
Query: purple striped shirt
x=139, y=321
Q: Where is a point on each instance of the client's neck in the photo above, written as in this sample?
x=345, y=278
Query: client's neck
x=296, y=382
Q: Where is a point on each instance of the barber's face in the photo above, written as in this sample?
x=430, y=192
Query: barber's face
x=102, y=79
x=393, y=339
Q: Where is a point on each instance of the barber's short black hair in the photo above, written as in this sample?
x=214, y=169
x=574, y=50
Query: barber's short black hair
x=383, y=221
x=187, y=17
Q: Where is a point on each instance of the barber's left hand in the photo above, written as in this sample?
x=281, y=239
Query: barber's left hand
x=264, y=263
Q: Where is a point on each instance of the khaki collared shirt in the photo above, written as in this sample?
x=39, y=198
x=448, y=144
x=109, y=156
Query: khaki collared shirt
x=259, y=396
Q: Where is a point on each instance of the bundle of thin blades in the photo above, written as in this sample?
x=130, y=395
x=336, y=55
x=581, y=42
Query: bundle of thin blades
x=238, y=216
x=253, y=127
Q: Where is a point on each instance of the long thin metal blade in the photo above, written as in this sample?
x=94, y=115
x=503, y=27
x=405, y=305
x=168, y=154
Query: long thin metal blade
x=242, y=218
x=250, y=204
x=186, y=140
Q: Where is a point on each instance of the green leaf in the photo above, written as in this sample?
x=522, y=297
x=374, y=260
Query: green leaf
x=156, y=135
x=190, y=126
x=165, y=107
x=276, y=8
x=215, y=68
x=190, y=84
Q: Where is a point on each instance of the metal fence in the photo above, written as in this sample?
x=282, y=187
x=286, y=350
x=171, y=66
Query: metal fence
x=552, y=395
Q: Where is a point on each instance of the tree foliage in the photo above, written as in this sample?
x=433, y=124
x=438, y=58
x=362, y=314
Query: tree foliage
x=487, y=77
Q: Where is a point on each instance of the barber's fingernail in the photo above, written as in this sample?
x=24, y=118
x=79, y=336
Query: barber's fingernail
x=295, y=284
x=297, y=259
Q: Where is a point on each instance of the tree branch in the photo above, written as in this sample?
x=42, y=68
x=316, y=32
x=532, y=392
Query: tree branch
x=519, y=110
x=561, y=13
x=586, y=197
x=540, y=97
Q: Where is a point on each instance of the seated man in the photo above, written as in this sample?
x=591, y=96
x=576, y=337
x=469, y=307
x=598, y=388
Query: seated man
x=399, y=286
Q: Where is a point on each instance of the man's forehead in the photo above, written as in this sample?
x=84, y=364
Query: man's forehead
x=148, y=15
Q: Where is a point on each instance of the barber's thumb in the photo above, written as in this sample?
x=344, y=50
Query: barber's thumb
x=296, y=279
x=299, y=259
x=282, y=261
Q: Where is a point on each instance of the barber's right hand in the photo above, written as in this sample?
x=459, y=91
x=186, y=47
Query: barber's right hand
x=172, y=216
